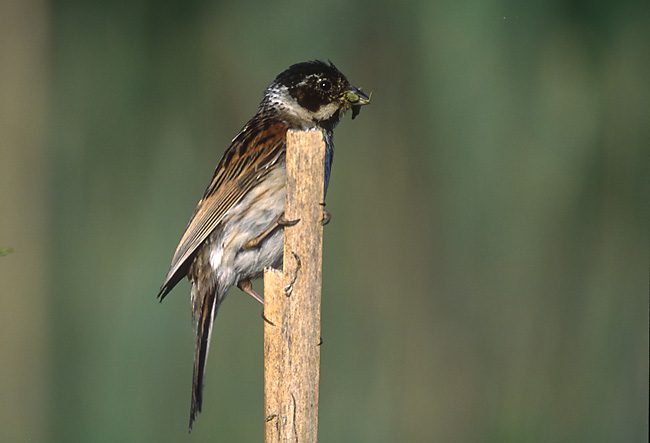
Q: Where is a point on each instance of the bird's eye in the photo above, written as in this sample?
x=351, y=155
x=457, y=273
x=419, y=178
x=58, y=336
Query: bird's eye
x=325, y=85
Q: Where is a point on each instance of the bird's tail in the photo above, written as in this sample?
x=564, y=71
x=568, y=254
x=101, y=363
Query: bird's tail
x=208, y=312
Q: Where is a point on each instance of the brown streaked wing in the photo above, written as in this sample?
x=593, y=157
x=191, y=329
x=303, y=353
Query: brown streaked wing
x=245, y=163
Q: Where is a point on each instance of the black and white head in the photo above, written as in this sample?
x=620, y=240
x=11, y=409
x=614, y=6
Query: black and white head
x=312, y=94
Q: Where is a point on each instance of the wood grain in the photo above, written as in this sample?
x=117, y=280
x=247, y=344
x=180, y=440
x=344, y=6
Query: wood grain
x=292, y=300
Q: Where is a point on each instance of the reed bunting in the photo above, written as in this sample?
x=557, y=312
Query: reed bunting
x=237, y=227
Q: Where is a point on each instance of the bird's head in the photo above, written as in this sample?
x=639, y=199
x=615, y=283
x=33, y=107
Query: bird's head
x=312, y=94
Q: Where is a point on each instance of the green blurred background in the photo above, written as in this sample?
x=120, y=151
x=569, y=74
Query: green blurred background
x=486, y=268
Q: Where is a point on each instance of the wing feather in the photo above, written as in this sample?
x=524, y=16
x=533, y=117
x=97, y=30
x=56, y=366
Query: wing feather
x=245, y=163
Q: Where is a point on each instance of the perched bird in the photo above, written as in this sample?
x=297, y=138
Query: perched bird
x=237, y=227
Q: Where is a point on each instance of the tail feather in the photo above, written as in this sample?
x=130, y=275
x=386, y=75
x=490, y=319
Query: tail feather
x=202, y=346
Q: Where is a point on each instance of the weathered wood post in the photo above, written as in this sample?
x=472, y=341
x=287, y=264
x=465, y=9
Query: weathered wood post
x=292, y=300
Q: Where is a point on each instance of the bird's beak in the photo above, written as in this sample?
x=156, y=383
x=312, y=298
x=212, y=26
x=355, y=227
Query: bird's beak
x=357, y=99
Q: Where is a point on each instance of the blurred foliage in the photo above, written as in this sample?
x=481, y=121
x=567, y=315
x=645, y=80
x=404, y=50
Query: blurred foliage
x=486, y=268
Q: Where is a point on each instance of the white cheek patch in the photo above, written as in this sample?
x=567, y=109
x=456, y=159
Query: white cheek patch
x=325, y=112
x=281, y=98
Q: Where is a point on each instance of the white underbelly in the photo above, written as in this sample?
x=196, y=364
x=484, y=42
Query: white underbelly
x=246, y=221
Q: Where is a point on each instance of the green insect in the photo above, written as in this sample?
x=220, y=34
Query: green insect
x=357, y=101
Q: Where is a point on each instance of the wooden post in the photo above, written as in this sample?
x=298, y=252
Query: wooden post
x=292, y=300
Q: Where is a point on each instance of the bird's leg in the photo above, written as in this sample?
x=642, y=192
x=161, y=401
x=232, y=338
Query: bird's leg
x=266, y=319
x=247, y=287
x=281, y=221
x=326, y=215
